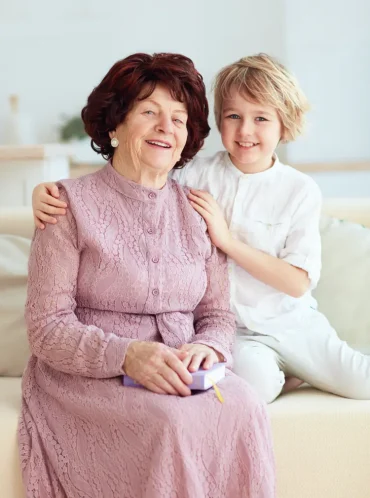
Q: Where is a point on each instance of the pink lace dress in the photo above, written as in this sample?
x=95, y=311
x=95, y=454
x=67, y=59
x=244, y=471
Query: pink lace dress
x=129, y=263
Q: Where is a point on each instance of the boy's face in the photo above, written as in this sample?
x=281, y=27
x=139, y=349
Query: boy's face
x=250, y=132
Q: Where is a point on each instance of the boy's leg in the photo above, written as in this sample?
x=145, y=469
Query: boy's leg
x=316, y=355
x=258, y=364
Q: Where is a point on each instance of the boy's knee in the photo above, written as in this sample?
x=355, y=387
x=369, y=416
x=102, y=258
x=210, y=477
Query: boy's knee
x=260, y=371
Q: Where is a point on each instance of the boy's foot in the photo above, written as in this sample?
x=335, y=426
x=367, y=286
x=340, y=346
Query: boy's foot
x=291, y=383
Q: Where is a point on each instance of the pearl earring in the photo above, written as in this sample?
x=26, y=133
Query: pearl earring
x=114, y=142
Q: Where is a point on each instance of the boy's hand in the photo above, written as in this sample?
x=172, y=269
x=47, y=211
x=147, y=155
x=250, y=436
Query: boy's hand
x=45, y=202
x=207, y=207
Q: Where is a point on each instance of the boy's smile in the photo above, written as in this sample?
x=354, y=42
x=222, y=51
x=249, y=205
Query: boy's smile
x=250, y=132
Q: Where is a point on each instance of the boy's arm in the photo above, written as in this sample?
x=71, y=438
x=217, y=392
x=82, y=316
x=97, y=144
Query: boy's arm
x=268, y=269
x=298, y=266
x=45, y=202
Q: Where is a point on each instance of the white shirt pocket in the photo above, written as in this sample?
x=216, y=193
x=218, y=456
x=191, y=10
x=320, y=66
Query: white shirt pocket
x=266, y=235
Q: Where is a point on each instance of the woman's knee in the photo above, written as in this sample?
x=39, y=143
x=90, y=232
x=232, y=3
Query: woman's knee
x=261, y=371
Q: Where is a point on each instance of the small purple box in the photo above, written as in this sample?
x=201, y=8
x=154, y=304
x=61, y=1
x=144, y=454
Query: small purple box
x=202, y=379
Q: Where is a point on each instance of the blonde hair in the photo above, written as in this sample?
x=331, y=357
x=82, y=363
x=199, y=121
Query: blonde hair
x=261, y=79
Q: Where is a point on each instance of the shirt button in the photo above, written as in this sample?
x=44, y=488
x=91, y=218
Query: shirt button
x=150, y=230
x=155, y=260
x=152, y=195
x=155, y=292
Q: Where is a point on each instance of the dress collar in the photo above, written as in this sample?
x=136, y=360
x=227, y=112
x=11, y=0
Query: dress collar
x=132, y=189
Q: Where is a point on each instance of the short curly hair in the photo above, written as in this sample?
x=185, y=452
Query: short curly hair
x=110, y=102
x=262, y=79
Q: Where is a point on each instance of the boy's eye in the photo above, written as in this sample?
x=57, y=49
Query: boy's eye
x=233, y=116
x=260, y=118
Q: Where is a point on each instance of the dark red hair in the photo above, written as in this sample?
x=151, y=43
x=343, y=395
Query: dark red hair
x=110, y=102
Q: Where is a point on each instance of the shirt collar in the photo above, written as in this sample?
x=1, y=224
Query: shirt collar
x=255, y=176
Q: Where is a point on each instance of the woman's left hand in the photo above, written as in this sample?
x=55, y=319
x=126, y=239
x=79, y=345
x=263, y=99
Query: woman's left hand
x=200, y=355
x=208, y=208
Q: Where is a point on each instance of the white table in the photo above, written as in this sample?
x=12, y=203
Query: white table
x=23, y=167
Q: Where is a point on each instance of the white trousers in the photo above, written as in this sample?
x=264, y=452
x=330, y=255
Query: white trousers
x=313, y=353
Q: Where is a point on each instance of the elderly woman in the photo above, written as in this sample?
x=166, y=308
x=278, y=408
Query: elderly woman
x=128, y=283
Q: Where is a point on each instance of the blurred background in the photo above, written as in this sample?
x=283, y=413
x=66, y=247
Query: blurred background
x=54, y=52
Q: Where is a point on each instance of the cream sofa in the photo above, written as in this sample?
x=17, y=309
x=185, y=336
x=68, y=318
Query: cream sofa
x=322, y=442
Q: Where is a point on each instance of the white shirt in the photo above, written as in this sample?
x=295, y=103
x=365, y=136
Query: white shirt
x=276, y=211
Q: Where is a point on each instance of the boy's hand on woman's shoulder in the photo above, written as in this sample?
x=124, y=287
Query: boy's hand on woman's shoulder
x=45, y=202
x=207, y=207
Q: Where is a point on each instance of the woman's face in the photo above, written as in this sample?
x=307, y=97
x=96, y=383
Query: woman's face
x=154, y=133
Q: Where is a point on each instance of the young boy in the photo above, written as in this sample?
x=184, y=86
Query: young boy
x=265, y=217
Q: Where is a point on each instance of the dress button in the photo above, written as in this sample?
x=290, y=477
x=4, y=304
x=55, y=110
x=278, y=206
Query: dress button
x=152, y=195
x=155, y=260
x=155, y=292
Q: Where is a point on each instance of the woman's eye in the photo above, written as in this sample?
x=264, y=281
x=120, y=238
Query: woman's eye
x=149, y=112
x=260, y=118
x=234, y=116
x=177, y=120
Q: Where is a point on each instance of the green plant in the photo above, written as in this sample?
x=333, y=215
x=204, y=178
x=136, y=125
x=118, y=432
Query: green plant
x=72, y=128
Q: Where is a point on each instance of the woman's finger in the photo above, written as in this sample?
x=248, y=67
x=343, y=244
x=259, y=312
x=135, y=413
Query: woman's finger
x=174, y=380
x=180, y=367
x=209, y=361
x=196, y=362
x=180, y=353
x=154, y=388
x=44, y=217
x=186, y=361
x=162, y=383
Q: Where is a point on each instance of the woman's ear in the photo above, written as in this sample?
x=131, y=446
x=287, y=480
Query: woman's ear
x=112, y=134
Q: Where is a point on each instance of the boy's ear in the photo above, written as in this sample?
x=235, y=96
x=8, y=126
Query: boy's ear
x=283, y=139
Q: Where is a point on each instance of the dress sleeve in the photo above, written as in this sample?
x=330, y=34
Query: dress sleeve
x=214, y=323
x=303, y=245
x=54, y=332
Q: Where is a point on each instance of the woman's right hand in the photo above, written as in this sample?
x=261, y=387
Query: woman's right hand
x=45, y=202
x=158, y=367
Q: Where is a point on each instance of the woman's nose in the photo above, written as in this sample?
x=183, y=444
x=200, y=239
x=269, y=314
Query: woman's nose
x=165, y=124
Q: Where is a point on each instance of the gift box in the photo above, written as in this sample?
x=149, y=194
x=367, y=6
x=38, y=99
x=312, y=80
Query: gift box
x=202, y=379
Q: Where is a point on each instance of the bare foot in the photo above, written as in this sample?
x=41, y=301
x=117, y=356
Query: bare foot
x=291, y=383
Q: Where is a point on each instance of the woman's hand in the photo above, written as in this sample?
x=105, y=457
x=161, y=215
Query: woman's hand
x=157, y=367
x=208, y=208
x=45, y=202
x=200, y=355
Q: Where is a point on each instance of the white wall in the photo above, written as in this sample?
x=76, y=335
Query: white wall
x=327, y=44
x=53, y=53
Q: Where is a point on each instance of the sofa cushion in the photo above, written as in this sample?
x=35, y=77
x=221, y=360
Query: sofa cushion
x=10, y=405
x=342, y=292
x=14, y=350
x=322, y=445
x=344, y=288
